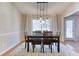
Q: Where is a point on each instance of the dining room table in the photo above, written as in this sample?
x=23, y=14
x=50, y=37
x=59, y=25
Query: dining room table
x=55, y=39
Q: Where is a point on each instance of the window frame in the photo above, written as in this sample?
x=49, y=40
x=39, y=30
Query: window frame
x=65, y=29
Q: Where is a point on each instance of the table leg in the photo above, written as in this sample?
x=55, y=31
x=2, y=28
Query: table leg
x=58, y=47
x=25, y=42
x=28, y=46
x=43, y=48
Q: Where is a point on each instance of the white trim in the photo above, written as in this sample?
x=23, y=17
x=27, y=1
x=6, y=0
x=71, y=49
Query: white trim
x=6, y=50
x=4, y=34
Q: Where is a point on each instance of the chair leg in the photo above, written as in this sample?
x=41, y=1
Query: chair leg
x=51, y=48
x=55, y=44
x=33, y=47
x=43, y=48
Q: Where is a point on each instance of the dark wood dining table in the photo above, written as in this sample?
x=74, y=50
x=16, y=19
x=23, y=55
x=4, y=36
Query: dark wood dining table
x=55, y=39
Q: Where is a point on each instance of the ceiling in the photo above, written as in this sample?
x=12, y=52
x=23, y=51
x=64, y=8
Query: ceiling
x=31, y=7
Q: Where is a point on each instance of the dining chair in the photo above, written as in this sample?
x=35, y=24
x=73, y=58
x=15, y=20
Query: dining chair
x=36, y=41
x=47, y=41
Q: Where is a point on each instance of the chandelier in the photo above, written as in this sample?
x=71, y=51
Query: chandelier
x=42, y=13
x=42, y=10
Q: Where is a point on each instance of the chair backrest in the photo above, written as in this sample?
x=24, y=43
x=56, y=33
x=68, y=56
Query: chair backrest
x=36, y=40
x=50, y=33
x=47, y=41
x=47, y=33
x=37, y=33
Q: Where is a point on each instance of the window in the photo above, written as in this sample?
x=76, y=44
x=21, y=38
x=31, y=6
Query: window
x=69, y=29
x=38, y=25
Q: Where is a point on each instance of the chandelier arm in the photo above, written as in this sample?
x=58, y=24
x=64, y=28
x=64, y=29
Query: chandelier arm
x=40, y=10
x=46, y=11
x=37, y=11
x=43, y=11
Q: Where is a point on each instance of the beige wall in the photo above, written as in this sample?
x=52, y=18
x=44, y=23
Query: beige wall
x=9, y=25
x=22, y=26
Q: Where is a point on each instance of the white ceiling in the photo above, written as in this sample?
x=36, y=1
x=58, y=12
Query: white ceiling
x=31, y=7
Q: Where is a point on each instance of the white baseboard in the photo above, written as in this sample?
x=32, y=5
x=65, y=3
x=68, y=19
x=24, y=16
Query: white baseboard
x=5, y=52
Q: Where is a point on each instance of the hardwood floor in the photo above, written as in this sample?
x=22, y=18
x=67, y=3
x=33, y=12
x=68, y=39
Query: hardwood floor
x=64, y=51
x=74, y=45
x=67, y=49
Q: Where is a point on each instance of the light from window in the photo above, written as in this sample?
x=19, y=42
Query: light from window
x=69, y=29
x=38, y=25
